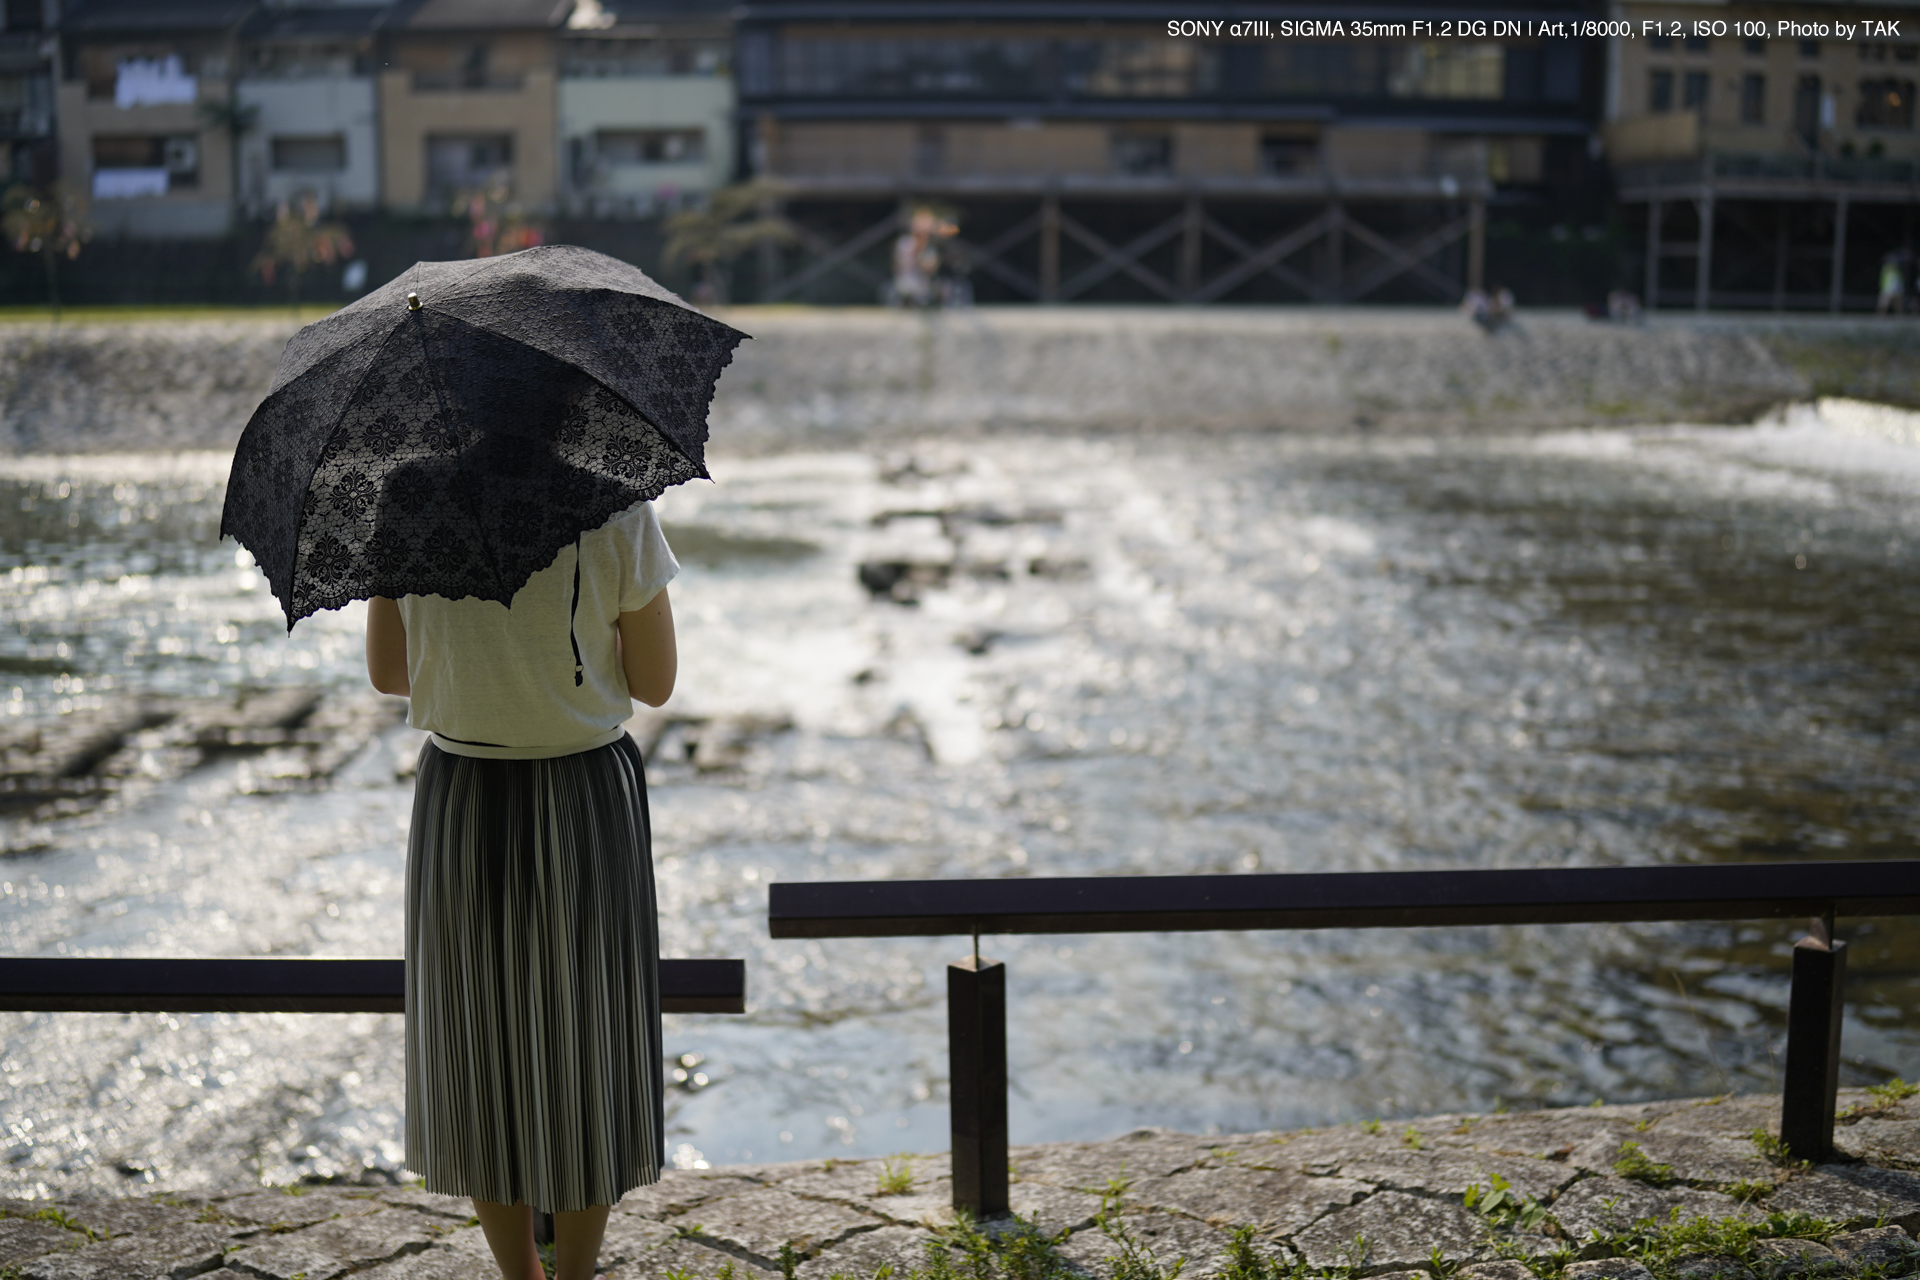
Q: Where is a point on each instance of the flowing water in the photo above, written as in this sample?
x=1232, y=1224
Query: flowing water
x=1065, y=656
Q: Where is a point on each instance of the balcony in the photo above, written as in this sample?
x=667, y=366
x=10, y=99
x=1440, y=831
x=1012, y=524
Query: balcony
x=1740, y=174
x=466, y=82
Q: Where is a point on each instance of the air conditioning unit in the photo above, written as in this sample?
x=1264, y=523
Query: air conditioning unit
x=182, y=155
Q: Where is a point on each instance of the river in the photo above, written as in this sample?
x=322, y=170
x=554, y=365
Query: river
x=1066, y=655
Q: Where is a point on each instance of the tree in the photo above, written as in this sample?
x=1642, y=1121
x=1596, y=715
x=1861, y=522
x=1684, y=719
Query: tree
x=495, y=225
x=234, y=119
x=734, y=220
x=46, y=221
x=299, y=241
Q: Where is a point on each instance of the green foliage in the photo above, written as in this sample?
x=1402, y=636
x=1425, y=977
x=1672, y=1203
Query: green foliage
x=1372, y=1126
x=1748, y=1190
x=1893, y=1091
x=1634, y=1163
x=45, y=221
x=1770, y=1146
x=895, y=1179
x=1412, y=1138
x=734, y=220
x=1660, y=1244
x=789, y=1260
x=1504, y=1207
x=1244, y=1262
x=1135, y=1260
x=58, y=1217
x=298, y=241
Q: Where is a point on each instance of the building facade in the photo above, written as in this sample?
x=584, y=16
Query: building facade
x=1768, y=150
x=646, y=105
x=306, y=86
x=145, y=104
x=28, y=69
x=467, y=103
x=1100, y=151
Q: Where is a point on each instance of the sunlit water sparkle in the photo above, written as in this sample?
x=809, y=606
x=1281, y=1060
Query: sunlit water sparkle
x=1152, y=655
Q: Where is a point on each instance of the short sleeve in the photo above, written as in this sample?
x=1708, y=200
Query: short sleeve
x=653, y=563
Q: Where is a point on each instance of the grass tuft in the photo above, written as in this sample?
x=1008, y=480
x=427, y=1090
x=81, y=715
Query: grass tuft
x=895, y=1179
x=1636, y=1164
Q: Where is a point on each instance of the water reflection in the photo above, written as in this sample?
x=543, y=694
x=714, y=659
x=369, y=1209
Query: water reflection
x=1087, y=656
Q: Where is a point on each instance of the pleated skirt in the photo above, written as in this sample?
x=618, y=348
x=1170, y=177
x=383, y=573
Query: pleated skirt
x=534, y=1069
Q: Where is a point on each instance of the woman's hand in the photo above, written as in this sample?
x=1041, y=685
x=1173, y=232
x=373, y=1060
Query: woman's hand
x=386, y=647
x=647, y=651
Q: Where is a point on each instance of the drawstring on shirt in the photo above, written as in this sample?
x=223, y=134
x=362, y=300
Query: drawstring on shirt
x=572, y=639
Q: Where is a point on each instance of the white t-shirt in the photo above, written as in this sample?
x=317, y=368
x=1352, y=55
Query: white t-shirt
x=497, y=682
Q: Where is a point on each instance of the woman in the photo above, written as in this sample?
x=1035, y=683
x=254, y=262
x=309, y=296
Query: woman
x=533, y=1008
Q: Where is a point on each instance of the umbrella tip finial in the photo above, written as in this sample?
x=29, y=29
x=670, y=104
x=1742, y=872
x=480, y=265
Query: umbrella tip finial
x=413, y=302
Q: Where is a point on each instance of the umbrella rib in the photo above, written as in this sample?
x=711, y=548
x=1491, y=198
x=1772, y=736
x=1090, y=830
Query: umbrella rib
x=300, y=525
x=446, y=417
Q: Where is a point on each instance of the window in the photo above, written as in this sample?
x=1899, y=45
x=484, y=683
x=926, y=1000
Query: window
x=651, y=146
x=1697, y=44
x=1753, y=99
x=1693, y=90
x=326, y=154
x=929, y=150
x=1756, y=47
x=1142, y=154
x=1885, y=104
x=1660, y=41
x=25, y=15
x=1283, y=157
x=1660, y=91
x=463, y=163
x=1809, y=48
x=1806, y=109
x=144, y=165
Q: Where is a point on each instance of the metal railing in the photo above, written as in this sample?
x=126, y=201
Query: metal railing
x=75, y=985
x=977, y=992
x=1740, y=166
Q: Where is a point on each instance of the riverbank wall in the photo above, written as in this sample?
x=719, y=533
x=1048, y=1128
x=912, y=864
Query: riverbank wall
x=821, y=378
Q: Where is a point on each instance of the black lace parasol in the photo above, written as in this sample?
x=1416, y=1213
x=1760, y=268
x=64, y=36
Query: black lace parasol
x=449, y=433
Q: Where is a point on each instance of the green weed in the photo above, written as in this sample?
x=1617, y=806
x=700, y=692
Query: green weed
x=58, y=1217
x=1660, y=1244
x=895, y=1180
x=1893, y=1091
x=1504, y=1207
x=1412, y=1138
x=1747, y=1190
x=1635, y=1163
x=1136, y=1260
x=1372, y=1126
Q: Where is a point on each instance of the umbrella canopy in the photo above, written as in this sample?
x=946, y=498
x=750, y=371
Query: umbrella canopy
x=448, y=433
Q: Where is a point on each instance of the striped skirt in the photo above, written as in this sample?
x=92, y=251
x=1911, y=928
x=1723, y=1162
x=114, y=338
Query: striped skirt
x=533, y=997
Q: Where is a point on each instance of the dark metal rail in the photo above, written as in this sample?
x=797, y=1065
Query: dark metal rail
x=63, y=984
x=1343, y=900
x=976, y=988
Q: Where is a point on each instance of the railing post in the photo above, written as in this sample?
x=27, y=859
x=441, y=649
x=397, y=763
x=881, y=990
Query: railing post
x=1812, y=1083
x=977, y=1067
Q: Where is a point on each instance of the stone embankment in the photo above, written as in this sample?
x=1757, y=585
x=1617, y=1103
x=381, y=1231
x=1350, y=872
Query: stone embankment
x=1690, y=1189
x=817, y=378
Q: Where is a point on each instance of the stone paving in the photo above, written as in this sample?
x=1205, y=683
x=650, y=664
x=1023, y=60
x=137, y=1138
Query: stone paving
x=1360, y=1200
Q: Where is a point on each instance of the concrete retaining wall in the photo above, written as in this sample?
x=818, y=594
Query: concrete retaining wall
x=822, y=377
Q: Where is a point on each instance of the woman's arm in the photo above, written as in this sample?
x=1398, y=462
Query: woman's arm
x=386, y=647
x=647, y=652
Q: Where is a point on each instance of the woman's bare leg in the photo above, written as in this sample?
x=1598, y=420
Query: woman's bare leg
x=509, y=1232
x=576, y=1242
